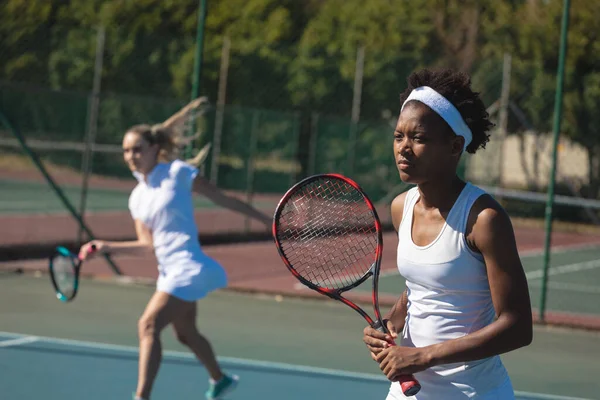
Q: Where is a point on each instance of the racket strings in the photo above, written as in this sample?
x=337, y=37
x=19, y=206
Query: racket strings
x=64, y=275
x=328, y=234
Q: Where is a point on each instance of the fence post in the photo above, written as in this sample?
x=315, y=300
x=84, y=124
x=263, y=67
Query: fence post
x=251, y=162
x=503, y=111
x=92, y=128
x=356, y=100
x=197, y=63
x=314, y=140
x=296, y=137
x=556, y=132
x=216, y=147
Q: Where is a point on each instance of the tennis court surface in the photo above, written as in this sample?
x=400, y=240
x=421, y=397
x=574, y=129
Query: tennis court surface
x=281, y=348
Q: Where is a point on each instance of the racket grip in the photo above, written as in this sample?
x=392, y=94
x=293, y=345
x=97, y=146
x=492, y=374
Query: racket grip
x=91, y=250
x=409, y=384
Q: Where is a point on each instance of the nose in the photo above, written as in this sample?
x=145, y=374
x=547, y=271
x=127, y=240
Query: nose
x=403, y=147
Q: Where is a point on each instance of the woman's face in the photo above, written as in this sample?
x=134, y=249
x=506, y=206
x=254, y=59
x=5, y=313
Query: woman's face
x=138, y=153
x=425, y=148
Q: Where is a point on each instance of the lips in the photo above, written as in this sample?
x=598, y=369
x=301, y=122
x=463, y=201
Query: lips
x=404, y=164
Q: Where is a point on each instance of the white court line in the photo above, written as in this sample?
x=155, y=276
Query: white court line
x=567, y=248
x=250, y=363
x=564, y=269
x=571, y=287
x=18, y=341
x=538, y=273
x=185, y=355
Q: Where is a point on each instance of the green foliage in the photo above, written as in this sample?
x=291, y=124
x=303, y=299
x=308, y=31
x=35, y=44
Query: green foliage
x=301, y=55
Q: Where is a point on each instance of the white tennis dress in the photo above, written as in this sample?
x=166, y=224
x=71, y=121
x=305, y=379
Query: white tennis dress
x=448, y=297
x=163, y=202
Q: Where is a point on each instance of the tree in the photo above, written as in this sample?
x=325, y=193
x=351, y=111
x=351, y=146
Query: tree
x=396, y=37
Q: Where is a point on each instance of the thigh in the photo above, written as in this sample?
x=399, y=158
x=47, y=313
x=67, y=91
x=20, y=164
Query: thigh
x=163, y=309
x=185, y=322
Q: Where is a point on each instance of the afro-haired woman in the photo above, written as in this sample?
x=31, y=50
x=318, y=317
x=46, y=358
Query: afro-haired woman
x=466, y=299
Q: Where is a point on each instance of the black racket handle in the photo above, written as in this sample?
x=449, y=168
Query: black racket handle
x=409, y=384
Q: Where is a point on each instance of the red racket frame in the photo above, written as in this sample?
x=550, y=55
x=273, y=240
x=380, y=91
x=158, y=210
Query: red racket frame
x=410, y=386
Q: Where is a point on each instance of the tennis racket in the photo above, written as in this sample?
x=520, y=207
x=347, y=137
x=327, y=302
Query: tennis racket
x=64, y=272
x=329, y=236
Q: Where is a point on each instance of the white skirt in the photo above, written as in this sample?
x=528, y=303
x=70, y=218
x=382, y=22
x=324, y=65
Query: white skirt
x=503, y=392
x=193, y=280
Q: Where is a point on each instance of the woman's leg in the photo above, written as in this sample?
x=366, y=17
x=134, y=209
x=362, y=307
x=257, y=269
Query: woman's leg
x=161, y=310
x=187, y=333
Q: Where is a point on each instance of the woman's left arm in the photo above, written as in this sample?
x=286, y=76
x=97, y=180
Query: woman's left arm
x=492, y=234
x=494, y=237
x=214, y=194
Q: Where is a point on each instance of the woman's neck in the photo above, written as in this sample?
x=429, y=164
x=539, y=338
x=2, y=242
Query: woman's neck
x=147, y=173
x=441, y=194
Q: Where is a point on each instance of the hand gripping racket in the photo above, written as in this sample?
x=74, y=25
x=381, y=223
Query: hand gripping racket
x=64, y=272
x=329, y=236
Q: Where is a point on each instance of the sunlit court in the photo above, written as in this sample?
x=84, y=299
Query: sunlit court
x=240, y=199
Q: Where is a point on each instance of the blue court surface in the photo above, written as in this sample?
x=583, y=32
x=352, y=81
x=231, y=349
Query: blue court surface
x=35, y=367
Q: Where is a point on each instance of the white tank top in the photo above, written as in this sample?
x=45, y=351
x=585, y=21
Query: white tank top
x=448, y=297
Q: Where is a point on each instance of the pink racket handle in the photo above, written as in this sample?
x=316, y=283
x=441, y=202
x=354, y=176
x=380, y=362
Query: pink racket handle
x=91, y=250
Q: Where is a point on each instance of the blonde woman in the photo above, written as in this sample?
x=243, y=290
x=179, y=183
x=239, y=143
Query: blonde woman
x=162, y=209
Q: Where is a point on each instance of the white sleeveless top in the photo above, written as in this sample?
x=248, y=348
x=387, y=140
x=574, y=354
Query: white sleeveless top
x=163, y=202
x=448, y=297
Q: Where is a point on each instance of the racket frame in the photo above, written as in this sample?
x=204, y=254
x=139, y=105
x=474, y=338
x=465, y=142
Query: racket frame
x=336, y=294
x=410, y=386
x=76, y=261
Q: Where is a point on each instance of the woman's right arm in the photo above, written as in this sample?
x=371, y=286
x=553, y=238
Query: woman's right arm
x=142, y=245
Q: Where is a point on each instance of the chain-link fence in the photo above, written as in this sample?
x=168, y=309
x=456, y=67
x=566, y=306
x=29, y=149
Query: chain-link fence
x=282, y=111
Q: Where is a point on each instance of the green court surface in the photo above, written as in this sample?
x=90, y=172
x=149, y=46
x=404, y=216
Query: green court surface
x=280, y=348
x=573, y=280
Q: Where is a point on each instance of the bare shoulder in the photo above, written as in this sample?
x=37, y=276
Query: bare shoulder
x=397, y=209
x=488, y=221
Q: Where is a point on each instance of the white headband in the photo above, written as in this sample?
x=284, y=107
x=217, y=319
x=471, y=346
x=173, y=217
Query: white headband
x=444, y=109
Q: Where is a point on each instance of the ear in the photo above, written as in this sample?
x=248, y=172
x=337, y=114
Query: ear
x=458, y=144
x=155, y=148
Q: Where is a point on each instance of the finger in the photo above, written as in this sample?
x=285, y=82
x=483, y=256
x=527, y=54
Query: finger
x=369, y=331
x=384, y=365
x=374, y=350
x=376, y=343
x=382, y=355
x=389, y=370
x=83, y=251
x=392, y=329
x=390, y=375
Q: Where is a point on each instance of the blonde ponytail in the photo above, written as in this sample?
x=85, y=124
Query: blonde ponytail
x=169, y=135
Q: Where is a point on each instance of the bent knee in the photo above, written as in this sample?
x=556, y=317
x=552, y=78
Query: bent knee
x=182, y=338
x=184, y=334
x=147, y=327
